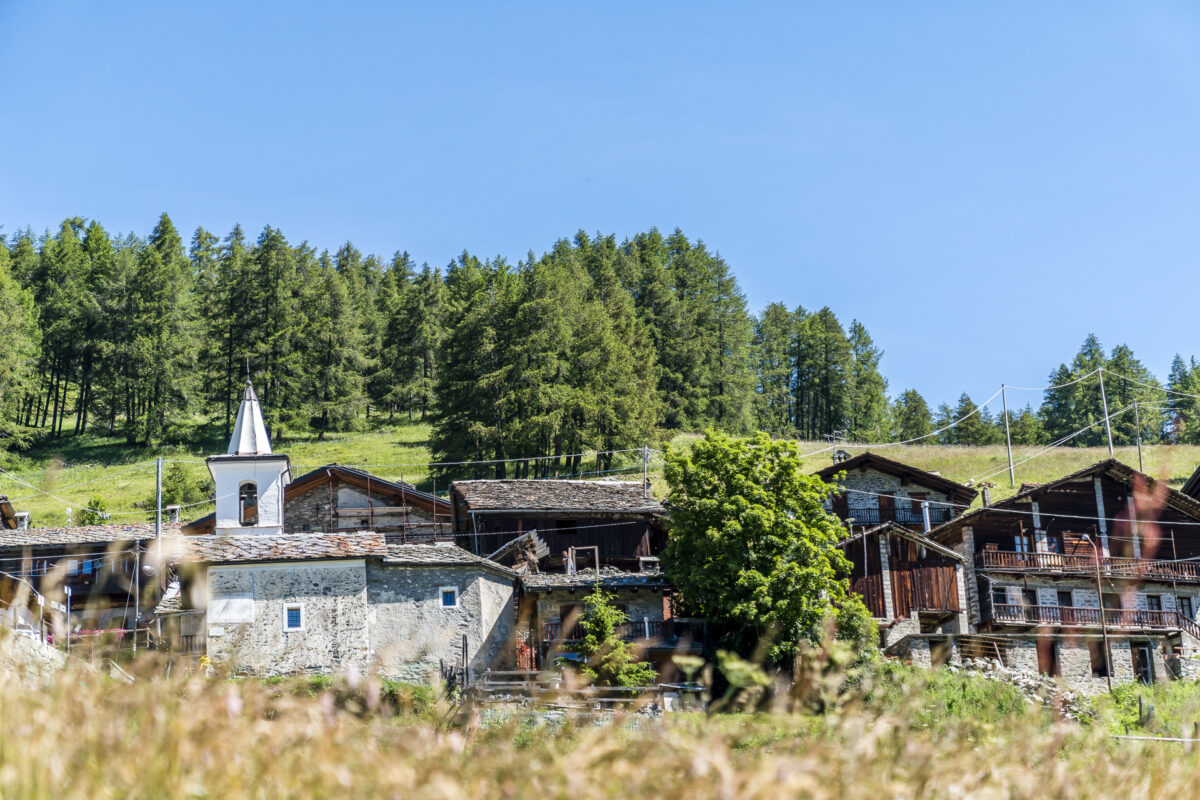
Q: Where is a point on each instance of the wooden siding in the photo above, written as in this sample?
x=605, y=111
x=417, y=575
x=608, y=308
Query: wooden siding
x=867, y=583
x=619, y=540
x=920, y=581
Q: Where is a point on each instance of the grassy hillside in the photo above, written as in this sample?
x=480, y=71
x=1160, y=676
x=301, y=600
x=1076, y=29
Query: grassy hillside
x=76, y=468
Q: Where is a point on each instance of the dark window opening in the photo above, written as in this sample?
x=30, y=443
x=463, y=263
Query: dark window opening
x=999, y=597
x=1185, y=607
x=1048, y=663
x=1054, y=543
x=1154, y=602
x=1029, y=597
x=1099, y=662
x=566, y=525
x=1143, y=667
x=248, y=504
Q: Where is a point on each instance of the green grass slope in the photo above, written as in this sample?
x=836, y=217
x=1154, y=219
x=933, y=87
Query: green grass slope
x=74, y=469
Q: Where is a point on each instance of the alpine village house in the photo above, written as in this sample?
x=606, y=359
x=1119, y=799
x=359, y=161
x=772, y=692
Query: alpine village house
x=1094, y=577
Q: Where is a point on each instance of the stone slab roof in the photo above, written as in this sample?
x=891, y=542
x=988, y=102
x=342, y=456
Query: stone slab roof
x=84, y=534
x=610, y=578
x=250, y=547
x=604, y=497
x=437, y=555
x=172, y=600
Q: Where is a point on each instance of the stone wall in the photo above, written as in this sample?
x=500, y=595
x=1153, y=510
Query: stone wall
x=246, y=632
x=412, y=633
x=871, y=480
x=639, y=603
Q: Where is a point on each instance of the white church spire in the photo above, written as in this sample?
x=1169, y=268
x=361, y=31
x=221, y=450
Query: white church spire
x=249, y=432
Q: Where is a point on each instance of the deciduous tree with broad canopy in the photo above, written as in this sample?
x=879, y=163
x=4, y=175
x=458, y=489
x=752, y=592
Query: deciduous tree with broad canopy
x=752, y=548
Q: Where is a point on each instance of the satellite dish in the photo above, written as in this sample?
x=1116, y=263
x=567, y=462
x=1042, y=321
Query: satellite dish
x=149, y=570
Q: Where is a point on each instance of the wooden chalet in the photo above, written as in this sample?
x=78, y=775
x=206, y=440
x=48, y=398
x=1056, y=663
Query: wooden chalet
x=876, y=490
x=900, y=574
x=336, y=498
x=1106, y=549
x=620, y=518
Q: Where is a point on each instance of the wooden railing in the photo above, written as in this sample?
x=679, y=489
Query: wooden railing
x=661, y=630
x=1086, y=616
x=903, y=515
x=1060, y=563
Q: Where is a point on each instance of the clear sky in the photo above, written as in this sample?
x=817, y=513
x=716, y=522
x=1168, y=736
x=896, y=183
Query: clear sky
x=980, y=184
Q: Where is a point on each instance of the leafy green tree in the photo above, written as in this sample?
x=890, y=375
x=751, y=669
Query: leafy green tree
x=911, y=417
x=607, y=659
x=95, y=512
x=752, y=547
x=335, y=364
x=1184, y=423
x=1025, y=427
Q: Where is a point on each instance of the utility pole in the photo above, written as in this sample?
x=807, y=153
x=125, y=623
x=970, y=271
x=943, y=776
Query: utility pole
x=1012, y=475
x=1137, y=421
x=1103, y=620
x=645, y=471
x=137, y=592
x=1104, y=402
x=158, y=506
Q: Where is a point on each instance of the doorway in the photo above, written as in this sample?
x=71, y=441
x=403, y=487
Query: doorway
x=1143, y=665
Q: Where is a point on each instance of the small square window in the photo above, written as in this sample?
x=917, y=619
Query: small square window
x=293, y=617
x=449, y=597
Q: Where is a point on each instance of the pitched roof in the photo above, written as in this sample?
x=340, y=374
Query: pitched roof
x=249, y=432
x=568, y=496
x=958, y=492
x=250, y=547
x=85, y=534
x=1192, y=487
x=438, y=555
x=900, y=530
x=1112, y=467
x=610, y=577
x=317, y=477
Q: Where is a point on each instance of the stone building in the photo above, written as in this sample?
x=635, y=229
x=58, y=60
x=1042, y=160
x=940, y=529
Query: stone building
x=620, y=521
x=876, y=490
x=262, y=593
x=1103, y=555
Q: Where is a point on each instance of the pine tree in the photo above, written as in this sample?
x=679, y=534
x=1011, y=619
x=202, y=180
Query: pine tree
x=774, y=353
x=1184, y=381
x=19, y=341
x=911, y=417
x=334, y=364
x=868, y=404
x=823, y=375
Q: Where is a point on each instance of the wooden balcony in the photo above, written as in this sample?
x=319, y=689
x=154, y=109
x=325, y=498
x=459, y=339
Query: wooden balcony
x=1088, y=617
x=668, y=630
x=902, y=515
x=1080, y=564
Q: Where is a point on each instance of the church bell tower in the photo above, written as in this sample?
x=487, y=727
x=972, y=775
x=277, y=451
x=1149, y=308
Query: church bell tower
x=249, y=478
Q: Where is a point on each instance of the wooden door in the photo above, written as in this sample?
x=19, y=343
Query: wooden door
x=887, y=508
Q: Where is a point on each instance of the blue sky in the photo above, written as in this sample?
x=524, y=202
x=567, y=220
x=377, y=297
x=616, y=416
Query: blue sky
x=980, y=184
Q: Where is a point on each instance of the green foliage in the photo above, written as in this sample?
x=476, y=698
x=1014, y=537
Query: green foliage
x=752, y=547
x=94, y=513
x=607, y=658
x=910, y=416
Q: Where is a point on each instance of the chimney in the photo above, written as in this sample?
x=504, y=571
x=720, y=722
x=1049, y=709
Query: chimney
x=22, y=520
x=987, y=495
x=173, y=513
x=925, y=515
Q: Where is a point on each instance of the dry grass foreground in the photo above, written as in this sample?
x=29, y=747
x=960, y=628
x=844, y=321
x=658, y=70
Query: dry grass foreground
x=85, y=736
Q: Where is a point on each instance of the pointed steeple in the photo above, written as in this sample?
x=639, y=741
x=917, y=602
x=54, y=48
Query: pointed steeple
x=249, y=432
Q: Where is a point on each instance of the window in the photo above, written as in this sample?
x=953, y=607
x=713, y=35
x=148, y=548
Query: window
x=566, y=525
x=1154, y=602
x=1000, y=597
x=1064, y=599
x=449, y=595
x=248, y=503
x=293, y=617
x=1054, y=543
x=1099, y=662
x=1029, y=597
x=1185, y=607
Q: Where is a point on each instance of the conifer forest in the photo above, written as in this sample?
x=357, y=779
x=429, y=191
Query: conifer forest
x=597, y=344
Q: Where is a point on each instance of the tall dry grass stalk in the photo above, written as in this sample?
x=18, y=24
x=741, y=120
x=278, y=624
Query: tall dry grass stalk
x=85, y=736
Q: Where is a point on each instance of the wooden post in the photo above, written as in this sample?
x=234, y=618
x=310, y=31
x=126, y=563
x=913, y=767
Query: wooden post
x=1012, y=475
x=1104, y=404
x=1137, y=421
